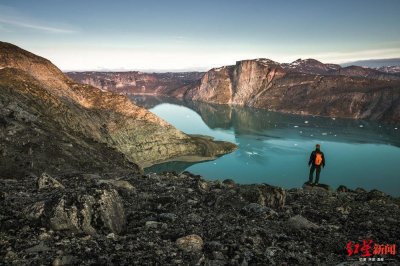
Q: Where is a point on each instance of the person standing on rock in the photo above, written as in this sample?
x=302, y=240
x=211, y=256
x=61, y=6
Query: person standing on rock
x=317, y=160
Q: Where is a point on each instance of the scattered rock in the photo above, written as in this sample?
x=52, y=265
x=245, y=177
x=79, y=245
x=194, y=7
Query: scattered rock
x=169, y=217
x=202, y=186
x=155, y=225
x=376, y=194
x=319, y=187
x=64, y=260
x=118, y=184
x=344, y=210
x=214, y=246
x=264, y=195
x=190, y=243
x=342, y=188
x=10, y=256
x=229, y=183
x=299, y=222
x=44, y=236
x=360, y=190
x=41, y=247
x=111, y=236
x=45, y=181
x=194, y=218
x=257, y=209
x=34, y=211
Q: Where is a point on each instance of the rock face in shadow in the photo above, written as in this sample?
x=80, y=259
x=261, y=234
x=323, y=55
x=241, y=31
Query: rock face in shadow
x=46, y=117
x=171, y=219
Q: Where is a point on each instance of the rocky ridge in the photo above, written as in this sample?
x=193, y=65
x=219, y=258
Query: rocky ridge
x=87, y=128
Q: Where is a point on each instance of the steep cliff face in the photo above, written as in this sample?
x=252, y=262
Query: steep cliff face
x=35, y=94
x=238, y=84
x=266, y=84
x=215, y=86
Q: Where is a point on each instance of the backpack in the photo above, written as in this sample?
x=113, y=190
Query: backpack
x=318, y=158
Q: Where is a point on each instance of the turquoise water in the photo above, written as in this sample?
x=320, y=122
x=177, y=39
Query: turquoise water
x=274, y=148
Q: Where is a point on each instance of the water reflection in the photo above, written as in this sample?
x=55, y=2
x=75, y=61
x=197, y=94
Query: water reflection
x=267, y=124
x=274, y=147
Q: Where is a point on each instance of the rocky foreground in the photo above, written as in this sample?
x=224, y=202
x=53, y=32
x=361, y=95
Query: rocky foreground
x=181, y=219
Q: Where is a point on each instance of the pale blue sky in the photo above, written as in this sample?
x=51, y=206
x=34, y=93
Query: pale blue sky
x=177, y=34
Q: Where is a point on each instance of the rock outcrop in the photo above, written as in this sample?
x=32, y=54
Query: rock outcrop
x=47, y=182
x=91, y=207
x=47, y=120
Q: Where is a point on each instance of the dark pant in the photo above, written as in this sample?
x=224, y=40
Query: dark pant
x=312, y=169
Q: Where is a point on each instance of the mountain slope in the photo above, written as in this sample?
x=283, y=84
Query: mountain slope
x=34, y=91
x=33, y=141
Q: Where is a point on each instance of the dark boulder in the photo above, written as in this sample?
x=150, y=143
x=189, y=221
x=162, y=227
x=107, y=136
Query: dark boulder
x=264, y=195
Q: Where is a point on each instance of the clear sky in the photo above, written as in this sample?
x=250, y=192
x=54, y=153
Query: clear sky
x=199, y=34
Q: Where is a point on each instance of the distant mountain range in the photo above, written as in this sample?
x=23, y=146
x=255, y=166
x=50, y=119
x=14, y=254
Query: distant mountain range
x=302, y=87
x=374, y=63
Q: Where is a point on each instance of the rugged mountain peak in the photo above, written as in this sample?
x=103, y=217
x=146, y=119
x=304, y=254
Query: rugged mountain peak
x=311, y=66
x=266, y=61
x=263, y=62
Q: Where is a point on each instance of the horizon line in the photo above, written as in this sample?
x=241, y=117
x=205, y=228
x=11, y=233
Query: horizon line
x=205, y=69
